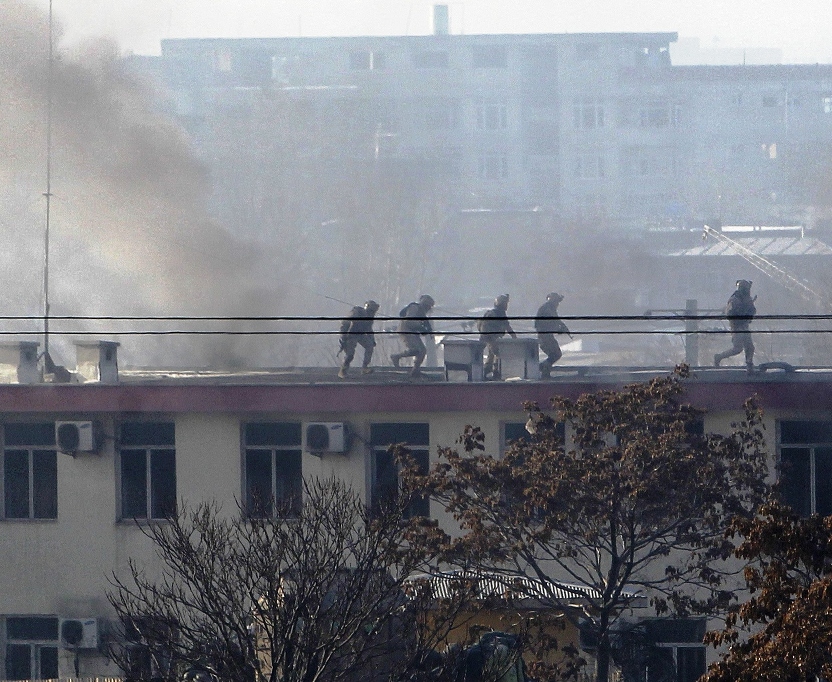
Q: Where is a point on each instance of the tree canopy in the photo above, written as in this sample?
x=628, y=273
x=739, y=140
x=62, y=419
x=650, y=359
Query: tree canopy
x=620, y=491
x=783, y=631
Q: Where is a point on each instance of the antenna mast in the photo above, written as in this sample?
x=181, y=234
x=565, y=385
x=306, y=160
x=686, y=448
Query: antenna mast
x=48, y=192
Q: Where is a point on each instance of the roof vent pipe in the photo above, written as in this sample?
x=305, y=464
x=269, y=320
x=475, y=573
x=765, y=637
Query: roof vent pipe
x=19, y=363
x=441, y=21
x=97, y=361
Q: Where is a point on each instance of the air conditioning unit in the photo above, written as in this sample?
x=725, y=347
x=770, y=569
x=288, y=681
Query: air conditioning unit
x=321, y=437
x=79, y=633
x=73, y=437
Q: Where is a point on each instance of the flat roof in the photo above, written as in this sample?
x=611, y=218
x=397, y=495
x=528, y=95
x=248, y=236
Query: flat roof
x=318, y=391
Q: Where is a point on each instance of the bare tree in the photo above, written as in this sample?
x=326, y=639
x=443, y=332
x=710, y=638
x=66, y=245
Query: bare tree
x=323, y=595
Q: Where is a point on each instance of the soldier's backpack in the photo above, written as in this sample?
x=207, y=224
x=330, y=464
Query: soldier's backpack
x=347, y=321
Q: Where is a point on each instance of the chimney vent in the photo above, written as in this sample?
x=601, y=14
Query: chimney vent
x=97, y=361
x=441, y=21
x=19, y=362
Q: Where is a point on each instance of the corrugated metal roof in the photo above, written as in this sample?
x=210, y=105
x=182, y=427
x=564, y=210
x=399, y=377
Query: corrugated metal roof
x=764, y=246
x=490, y=585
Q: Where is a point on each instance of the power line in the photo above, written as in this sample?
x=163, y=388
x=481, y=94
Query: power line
x=442, y=318
x=327, y=332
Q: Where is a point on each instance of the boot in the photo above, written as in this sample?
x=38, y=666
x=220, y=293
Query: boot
x=342, y=373
x=366, y=370
x=396, y=357
x=749, y=367
x=545, y=370
x=415, y=372
x=717, y=359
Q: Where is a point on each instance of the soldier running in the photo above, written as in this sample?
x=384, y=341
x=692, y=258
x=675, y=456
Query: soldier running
x=357, y=329
x=492, y=327
x=548, y=323
x=414, y=324
x=740, y=311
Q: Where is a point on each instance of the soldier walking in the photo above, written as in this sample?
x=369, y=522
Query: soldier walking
x=548, y=323
x=740, y=311
x=414, y=324
x=357, y=330
x=492, y=327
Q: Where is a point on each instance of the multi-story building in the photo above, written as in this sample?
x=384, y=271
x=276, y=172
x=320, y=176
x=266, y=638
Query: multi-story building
x=83, y=460
x=586, y=128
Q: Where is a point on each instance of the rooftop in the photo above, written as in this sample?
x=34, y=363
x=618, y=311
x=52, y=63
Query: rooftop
x=318, y=390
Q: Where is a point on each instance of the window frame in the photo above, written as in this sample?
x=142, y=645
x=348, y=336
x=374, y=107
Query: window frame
x=154, y=492
x=36, y=646
x=380, y=444
x=273, y=450
x=817, y=443
x=34, y=452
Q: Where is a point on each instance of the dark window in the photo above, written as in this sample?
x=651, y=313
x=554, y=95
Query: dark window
x=678, y=654
x=148, y=470
x=273, y=474
x=31, y=648
x=385, y=483
x=515, y=432
x=30, y=471
x=489, y=57
x=806, y=466
x=428, y=59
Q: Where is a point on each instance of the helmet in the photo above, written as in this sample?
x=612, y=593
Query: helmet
x=371, y=305
x=744, y=284
x=426, y=301
x=501, y=301
x=554, y=296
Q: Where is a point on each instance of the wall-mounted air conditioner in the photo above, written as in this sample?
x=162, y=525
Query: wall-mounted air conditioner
x=73, y=437
x=321, y=437
x=79, y=633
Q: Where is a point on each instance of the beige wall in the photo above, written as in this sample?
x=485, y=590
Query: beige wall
x=60, y=567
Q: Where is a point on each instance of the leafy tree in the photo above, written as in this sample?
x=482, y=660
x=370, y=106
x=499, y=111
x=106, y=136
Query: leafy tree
x=322, y=596
x=636, y=500
x=783, y=631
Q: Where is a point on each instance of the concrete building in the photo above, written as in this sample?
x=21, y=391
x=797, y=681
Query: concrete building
x=82, y=459
x=582, y=128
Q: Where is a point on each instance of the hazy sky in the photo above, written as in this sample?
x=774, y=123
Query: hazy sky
x=800, y=29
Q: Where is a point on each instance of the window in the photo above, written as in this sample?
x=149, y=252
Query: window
x=30, y=471
x=492, y=166
x=148, y=470
x=430, y=59
x=806, y=466
x=587, y=114
x=826, y=104
x=513, y=432
x=492, y=115
x=31, y=648
x=677, y=654
x=489, y=57
x=658, y=115
x=385, y=473
x=273, y=476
